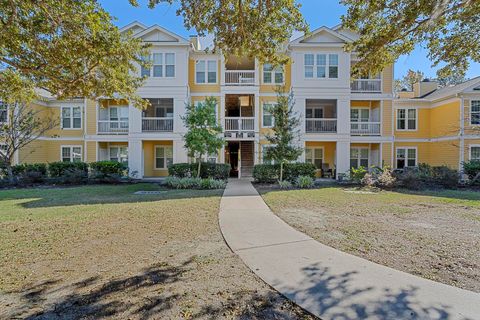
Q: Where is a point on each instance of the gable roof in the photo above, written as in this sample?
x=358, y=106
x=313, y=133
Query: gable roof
x=444, y=92
x=133, y=25
x=323, y=29
x=147, y=30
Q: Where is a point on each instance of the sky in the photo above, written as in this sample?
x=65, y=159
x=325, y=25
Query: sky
x=316, y=12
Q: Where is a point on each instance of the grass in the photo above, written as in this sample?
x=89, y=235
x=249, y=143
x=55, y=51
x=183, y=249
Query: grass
x=428, y=233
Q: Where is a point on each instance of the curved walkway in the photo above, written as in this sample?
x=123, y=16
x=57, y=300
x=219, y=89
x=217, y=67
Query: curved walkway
x=329, y=283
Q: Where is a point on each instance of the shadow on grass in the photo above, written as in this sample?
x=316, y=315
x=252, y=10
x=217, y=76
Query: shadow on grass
x=334, y=296
x=98, y=194
x=456, y=194
x=141, y=296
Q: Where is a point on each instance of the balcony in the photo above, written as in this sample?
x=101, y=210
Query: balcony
x=157, y=124
x=239, y=77
x=365, y=128
x=113, y=127
x=366, y=86
x=321, y=125
x=241, y=124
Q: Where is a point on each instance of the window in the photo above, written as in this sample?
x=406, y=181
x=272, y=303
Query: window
x=406, y=157
x=272, y=75
x=71, y=153
x=163, y=65
x=321, y=66
x=359, y=115
x=475, y=112
x=119, y=154
x=71, y=117
x=3, y=112
x=358, y=157
x=206, y=71
x=315, y=156
x=265, y=147
x=267, y=117
x=475, y=153
x=406, y=119
x=314, y=113
x=163, y=157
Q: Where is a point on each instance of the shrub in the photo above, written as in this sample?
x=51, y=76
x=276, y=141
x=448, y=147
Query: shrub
x=425, y=176
x=194, y=183
x=357, y=174
x=285, y=184
x=386, y=179
x=445, y=177
x=270, y=173
x=369, y=180
x=68, y=172
x=471, y=169
x=217, y=171
x=108, y=171
x=305, y=182
x=265, y=173
x=30, y=173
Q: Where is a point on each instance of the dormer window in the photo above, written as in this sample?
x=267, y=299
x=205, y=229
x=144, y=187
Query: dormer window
x=321, y=66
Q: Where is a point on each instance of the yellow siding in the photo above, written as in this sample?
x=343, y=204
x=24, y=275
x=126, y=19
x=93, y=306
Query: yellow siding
x=259, y=111
x=287, y=77
x=387, y=118
x=387, y=79
x=423, y=125
x=91, y=151
x=444, y=153
x=387, y=154
x=91, y=124
x=198, y=88
x=468, y=144
x=469, y=129
x=149, y=158
x=423, y=150
x=445, y=120
x=34, y=152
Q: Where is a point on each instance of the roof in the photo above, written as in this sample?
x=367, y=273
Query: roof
x=452, y=90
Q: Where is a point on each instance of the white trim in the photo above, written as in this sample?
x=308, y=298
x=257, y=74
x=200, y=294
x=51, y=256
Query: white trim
x=72, y=117
x=180, y=40
x=263, y=113
x=118, y=152
x=164, y=146
x=313, y=149
x=359, y=158
x=470, y=113
x=272, y=73
x=470, y=150
x=406, y=155
x=71, y=146
x=406, y=119
x=326, y=66
x=206, y=72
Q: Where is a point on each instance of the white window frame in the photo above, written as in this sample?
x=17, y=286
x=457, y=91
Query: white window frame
x=359, y=157
x=71, y=117
x=316, y=66
x=313, y=112
x=4, y=106
x=406, y=119
x=163, y=65
x=273, y=73
x=470, y=152
x=205, y=72
x=71, y=152
x=118, y=147
x=476, y=112
x=313, y=152
x=165, y=162
x=264, y=112
x=406, y=156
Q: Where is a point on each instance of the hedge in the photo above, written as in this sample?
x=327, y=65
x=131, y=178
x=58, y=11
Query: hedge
x=270, y=173
x=471, y=168
x=216, y=171
x=60, y=169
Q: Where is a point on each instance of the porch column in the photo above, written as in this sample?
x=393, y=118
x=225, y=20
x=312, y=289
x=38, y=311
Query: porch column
x=179, y=110
x=300, y=112
x=134, y=120
x=179, y=152
x=343, y=157
x=343, y=116
x=135, y=158
x=256, y=114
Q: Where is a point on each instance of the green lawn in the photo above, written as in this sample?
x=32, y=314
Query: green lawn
x=434, y=234
x=101, y=251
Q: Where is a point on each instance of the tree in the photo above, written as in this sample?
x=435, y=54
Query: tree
x=451, y=80
x=390, y=28
x=24, y=124
x=408, y=80
x=256, y=28
x=68, y=48
x=203, y=135
x=284, y=131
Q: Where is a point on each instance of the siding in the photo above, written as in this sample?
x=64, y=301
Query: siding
x=387, y=79
x=149, y=158
x=444, y=153
x=387, y=118
x=445, y=120
x=267, y=88
x=199, y=88
x=387, y=154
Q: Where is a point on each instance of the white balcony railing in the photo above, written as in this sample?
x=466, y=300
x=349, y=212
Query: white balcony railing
x=319, y=125
x=113, y=127
x=239, y=124
x=365, y=128
x=239, y=77
x=154, y=124
x=367, y=85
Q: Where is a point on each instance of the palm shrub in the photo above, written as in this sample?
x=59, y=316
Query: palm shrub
x=305, y=182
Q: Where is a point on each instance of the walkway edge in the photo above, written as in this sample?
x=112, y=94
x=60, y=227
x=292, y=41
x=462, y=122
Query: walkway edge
x=327, y=282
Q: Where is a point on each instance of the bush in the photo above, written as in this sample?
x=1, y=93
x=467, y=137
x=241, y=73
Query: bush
x=108, y=171
x=445, y=177
x=270, y=173
x=357, y=174
x=386, y=179
x=194, y=183
x=285, y=184
x=68, y=172
x=30, y=173
x=471, y=169
x=217, y=171
x=304, y=182
x=426, y=176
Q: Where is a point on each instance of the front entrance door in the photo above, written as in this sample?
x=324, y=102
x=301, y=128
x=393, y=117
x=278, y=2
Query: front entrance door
x=232, y=156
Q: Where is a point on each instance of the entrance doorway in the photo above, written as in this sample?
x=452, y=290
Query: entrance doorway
x=240, y=156
x=232, y=156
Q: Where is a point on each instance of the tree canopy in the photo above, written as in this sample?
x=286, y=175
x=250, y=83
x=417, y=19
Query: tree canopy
x=68, y=48
x=450, y=30
x=408, y=80
x=256, y=28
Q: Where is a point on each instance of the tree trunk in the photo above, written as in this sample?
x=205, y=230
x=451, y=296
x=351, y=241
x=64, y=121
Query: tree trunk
x=281, y=171
x=199, y=166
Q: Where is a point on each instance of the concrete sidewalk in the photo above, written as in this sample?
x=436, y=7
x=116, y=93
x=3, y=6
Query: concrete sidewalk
x=329, y=283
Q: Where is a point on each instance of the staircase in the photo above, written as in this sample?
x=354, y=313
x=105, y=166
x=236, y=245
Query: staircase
x=246, y=154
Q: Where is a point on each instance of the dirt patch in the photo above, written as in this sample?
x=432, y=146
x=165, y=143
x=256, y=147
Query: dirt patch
x=436, y=237
x=159, y=258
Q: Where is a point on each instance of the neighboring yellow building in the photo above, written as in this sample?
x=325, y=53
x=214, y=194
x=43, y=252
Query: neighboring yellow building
x=344, y=123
